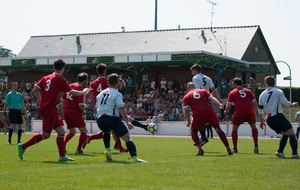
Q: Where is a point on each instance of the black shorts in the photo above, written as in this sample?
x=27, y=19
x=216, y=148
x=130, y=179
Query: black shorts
x=279, y=123
x=112, y=123
x=15, y=116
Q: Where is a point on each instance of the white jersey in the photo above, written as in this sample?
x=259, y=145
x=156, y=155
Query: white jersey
x=203, y=82
x=108, y=102
x=270, y=100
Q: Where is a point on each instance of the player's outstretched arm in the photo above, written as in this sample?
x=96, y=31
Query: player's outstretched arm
x=216, y=94
x=123, y=113
x=215, y=101
x=79, y=93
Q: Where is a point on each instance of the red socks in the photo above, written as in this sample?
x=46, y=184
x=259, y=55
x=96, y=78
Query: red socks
x=196, y=140
x=82, y=139
x=33, y=140
x=224, y=139
x=118, y=141
x=234, y=135
x=60, y=145
x=96, y=136
x=68, y=137
x=255, y=135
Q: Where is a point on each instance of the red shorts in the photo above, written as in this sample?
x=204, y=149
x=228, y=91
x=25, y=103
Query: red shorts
x=240, y=118
x=199, y=121
x=73, y=118
x=51, y=120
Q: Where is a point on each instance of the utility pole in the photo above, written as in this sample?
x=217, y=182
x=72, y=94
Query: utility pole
x=155, y=21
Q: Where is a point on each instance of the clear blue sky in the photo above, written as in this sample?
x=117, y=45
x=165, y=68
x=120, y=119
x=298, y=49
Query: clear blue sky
x=279, y=21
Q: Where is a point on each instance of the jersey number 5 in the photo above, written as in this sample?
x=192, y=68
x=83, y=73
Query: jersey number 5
x=242, y=93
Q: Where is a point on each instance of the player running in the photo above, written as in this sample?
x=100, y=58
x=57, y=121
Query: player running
x=270, y=101
x=198, y=100
x=109, y=102
x=245, y=109
x=73, y=111
x=50, y=86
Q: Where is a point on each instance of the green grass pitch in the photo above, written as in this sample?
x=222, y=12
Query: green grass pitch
x=172, y=164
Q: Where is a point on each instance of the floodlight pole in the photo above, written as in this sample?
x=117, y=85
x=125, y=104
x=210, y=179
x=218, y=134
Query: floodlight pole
x=290, y=79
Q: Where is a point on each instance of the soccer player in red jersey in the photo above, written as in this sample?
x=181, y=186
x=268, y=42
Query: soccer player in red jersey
x=50, y=86
x=73, y=110
x=245, y=109
x=101, y=83
x=198, y=100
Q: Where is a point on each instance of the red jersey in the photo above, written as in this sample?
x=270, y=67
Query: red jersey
x=101, y=83
x=198, y=101
x=50, y=86
x=242, y=99
x=73, y=102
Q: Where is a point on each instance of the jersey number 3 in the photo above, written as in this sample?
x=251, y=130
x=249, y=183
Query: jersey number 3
x=48, y=82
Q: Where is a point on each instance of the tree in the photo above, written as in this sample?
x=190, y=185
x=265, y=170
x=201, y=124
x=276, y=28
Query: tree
x=4, y=52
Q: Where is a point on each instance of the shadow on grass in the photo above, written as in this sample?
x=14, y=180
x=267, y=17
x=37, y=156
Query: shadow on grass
x=117, y=162
x=59, y=162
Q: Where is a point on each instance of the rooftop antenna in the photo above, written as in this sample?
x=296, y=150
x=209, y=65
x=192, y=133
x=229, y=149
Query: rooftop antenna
x=212, y=12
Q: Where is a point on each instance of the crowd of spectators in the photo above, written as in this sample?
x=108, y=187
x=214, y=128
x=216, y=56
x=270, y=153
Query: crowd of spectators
x=149, y=99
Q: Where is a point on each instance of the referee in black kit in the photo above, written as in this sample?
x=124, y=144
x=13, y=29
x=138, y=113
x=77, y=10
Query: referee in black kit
x=14, y=102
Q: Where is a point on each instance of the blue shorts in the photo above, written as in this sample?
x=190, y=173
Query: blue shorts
x=112, y=123
x=279, y=123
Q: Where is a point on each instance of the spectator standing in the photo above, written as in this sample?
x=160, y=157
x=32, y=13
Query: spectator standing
x=170, y=84
x=129, y=84
x=152, y=85
x=163, y=85
x=224, y=88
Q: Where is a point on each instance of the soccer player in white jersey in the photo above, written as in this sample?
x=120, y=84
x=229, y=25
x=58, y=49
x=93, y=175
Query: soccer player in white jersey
x=202, y=81
x=109, y=103
x=297, y=118
x=270, y=101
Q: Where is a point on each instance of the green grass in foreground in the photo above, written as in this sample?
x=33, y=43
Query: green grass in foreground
x=172, y=164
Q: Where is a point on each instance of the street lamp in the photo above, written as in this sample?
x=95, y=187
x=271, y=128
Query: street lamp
x=290, y=79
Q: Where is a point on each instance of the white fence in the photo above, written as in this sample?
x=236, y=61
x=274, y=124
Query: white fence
x=171, y=128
